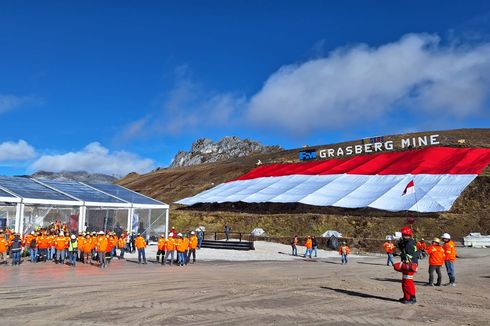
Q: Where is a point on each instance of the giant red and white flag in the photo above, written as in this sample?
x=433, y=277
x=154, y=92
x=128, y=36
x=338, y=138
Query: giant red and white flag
x=410, y=188
x=377, y=180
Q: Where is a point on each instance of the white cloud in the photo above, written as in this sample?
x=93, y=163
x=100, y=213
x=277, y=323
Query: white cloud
x=357, y=84
x=188, y=106
x=10, y=102
x=96, y=159
x=16, y=151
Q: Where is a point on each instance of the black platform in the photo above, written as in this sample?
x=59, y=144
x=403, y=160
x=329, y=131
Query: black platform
x=230, y=245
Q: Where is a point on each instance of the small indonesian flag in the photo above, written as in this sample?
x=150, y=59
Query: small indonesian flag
x=409, y=189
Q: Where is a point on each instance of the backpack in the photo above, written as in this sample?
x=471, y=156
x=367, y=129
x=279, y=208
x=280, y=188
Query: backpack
x=33, y=243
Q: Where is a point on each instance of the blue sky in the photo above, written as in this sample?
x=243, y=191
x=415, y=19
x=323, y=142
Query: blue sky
x=120, y=86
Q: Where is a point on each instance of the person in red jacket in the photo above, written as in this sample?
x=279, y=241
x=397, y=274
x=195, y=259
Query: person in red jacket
x=436, y=260
x=344, y=251
x=408, y=266
x=450, y=252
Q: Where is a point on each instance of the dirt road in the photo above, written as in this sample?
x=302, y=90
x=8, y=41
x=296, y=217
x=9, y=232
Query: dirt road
x=226, y=293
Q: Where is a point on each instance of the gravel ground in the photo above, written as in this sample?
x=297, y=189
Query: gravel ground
x=264, y=251
x=275, y=292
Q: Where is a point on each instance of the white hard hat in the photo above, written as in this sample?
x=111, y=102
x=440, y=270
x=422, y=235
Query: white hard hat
x=446, y=236
x=179, y=235
x=193, y=232
x=62, y=233
x=73, y=237
x=101, y=232
x=32, y=232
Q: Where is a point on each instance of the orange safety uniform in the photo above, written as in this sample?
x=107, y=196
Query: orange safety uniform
x=67, y=242
x=449, y=250
x=3, y=244
x=342, y=248
x=436, y=255
x=140, y=242
x=60, y=243
x=81, y=242
x=421, y=245
x=102, y=244
x=389, y=247
x=87, y=246
x=182, y=244
x=42, y=242
x=110, y=244
x=161, y=244
x=170, y=244
x=121, y=243
x=309, y=244
x=193, y=242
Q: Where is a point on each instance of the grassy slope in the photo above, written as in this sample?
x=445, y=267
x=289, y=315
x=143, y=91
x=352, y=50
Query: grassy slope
x=471, y=211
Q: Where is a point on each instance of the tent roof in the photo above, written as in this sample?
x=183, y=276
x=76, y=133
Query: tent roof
x=34, y=191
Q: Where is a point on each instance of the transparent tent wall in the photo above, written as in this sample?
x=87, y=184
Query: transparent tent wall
x=149, y=222
x=36, y=216
x=7, y=217
x=101, y=219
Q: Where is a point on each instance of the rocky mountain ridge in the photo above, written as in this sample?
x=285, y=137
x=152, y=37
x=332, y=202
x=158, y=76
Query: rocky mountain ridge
x=81, y=176
x=205, y=150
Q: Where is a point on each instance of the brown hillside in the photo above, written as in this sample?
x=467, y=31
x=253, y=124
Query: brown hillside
x=471, y=212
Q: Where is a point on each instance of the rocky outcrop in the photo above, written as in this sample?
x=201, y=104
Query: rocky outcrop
x=204, y=150
x=75, y=176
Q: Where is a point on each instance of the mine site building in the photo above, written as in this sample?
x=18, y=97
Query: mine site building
x=26, y=203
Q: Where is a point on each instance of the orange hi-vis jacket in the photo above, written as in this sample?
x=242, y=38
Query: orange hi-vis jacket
x=3, y=244
x=42, y=242
x=87, y=245
x=113, y=241
x=67, y=242
x=140, y=242
x=182, y=245
x=193, y=242
x=102, y=244
x=309, y=244
x=81, y=242
x=389, y=247
x=50, y=240
x=450, y=250
x=121, y=243
x=60, y=243
x=344, y=250
x=421, y=245
x=161, y=244
x=27, y=240
x=436, y=255
x=110, y=244
x=170, y=244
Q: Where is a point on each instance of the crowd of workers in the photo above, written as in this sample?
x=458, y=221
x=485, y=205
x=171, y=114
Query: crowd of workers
x=55, y=243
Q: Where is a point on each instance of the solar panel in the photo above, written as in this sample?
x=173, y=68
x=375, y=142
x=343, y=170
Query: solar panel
x=27, y=188
x=82, y=192
x=126, y=194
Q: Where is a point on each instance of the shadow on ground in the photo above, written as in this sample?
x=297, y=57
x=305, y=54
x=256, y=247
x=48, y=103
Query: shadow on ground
x=359, y=294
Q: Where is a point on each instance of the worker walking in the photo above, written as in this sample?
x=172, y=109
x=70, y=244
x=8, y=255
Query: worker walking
x=408, y=265
x=140, y=244
x=436, y=260
x=450, y=258
x=344, y=251
x=389, y=249
x=308, y=245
